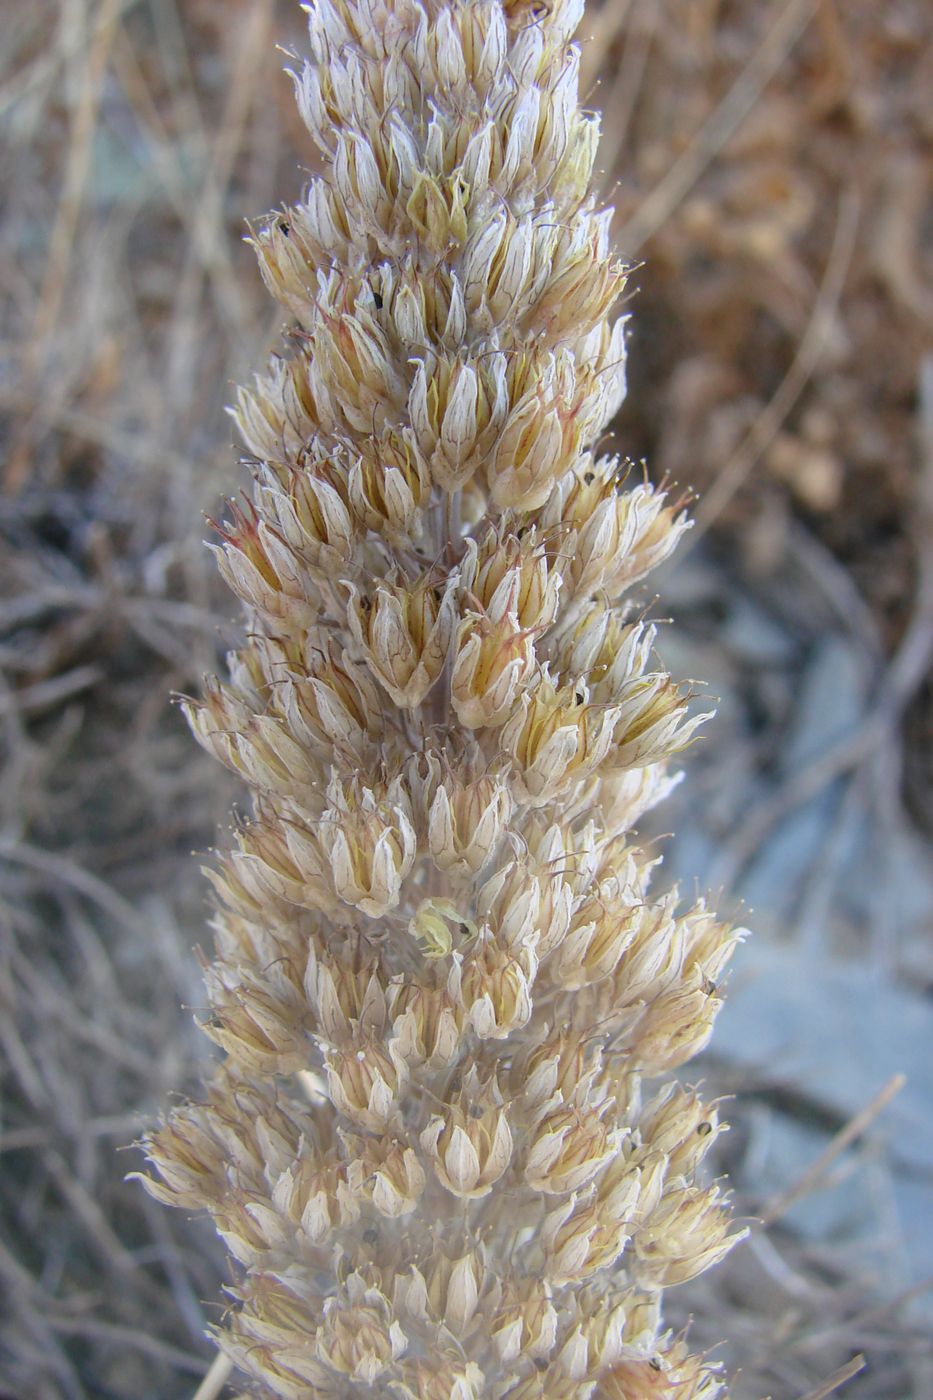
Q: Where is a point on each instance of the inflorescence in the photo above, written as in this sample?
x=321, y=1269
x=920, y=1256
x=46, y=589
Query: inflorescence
x=441, y=982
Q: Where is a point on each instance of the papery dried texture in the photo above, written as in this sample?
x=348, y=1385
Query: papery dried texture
x=441, y=978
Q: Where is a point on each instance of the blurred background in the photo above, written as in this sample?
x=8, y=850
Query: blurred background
x=770, y=164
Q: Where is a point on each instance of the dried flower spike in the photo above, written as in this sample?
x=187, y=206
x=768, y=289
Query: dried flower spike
x=441, y=981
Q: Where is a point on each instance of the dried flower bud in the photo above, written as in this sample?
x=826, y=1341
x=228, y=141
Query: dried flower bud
x=492, y=662
x=674, y=1375
x=470, y=1145
x=556, y=737
x=603, y=1329
x=404, y=633
x=606, y=649
x=359, y=1342
x=675, y=1027
x=568, y=1149
x=542, y=433
x=262, y=1024
x=456, y=408
x=651, y=722
x=526, y=1326
x=603, y=926
x=330, y=702
x=679, y=1126
x=389, y=487
x=365, y=1082
x=278, y=861
x=369, y=846
x=510, y=577
x=311, y=512
x=559, y=1070
x=343, y=996
x=454, y=1288
x=628, y=794
x=388, y=1174
x=428, y=1024
x=263, y=572
x=510, y=902
x=352, y=374
x=616, y=536
x=440, y=1380
x=579, y=1240
x=653, y=959
x=551, y=1384
x=257, y=747
x=265, y=1333
x=279, y=415
x=584, y=280
x=494, y=987
x=686, y=1233
x=316, y=1197
x=466, y=822
x=678, y=1020
x=188, y=1158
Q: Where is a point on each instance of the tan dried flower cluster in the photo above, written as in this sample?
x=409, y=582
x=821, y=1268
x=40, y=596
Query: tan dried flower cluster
x=440, y=978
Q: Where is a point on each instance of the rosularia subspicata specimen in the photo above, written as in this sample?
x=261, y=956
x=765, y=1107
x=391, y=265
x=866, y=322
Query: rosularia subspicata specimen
x=444, y=1148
